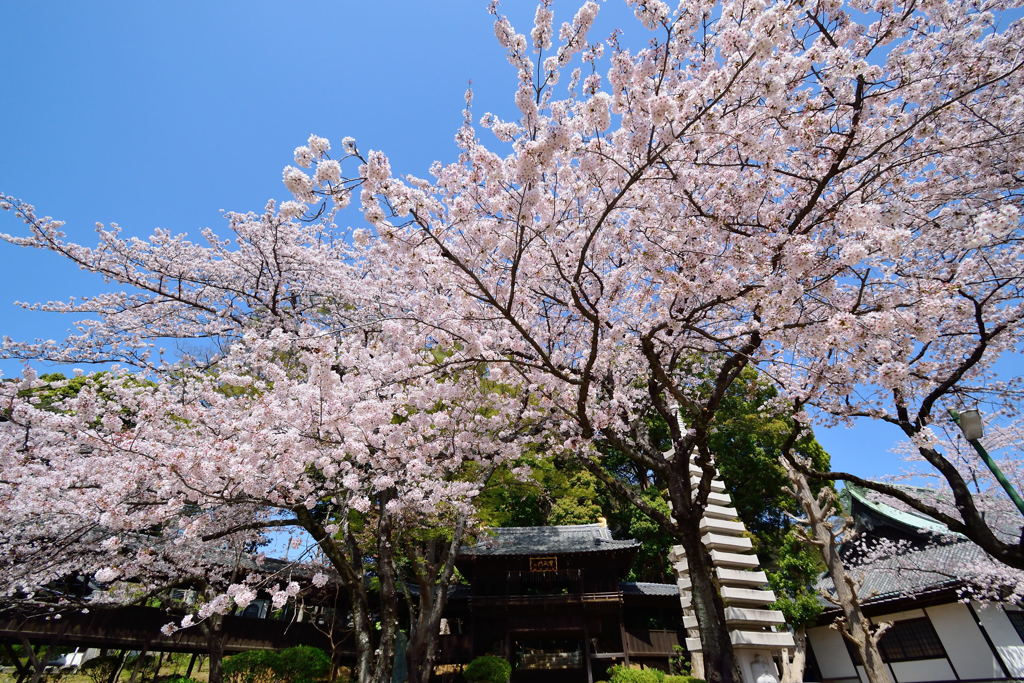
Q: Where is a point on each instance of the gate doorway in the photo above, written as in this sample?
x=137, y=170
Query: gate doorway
x=537, y=659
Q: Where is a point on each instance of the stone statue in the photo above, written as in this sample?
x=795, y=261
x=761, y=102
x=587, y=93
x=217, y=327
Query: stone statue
x=763, y=670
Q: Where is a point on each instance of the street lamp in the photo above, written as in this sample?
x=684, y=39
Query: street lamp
x=970, y=423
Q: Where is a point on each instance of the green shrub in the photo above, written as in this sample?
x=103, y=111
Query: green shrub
x=624, y=674
x=488, y=669
x=146, y=664
x=254, y=666
x=302, y=664
x=99, y=669
x=176, y=678
x=681, y=679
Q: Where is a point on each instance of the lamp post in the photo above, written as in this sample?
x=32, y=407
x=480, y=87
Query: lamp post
x=969, y=422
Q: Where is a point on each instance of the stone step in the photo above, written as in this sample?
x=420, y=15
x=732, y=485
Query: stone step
x=693, y=644
x=740, y=577
x=759, y=639
x=676, y=554
x=747, y=616
x=724, y=526
x=715, y=498
x=726, y=559
x=744, y=616
x=747, y=596
x=720, y=512
x=727, y=543
x=716, y=485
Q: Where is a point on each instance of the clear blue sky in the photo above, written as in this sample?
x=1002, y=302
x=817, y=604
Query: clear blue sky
x=160, y=114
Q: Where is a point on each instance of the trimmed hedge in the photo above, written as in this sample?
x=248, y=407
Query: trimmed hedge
x=488, y=669
x=624, y=674
x=301, y=664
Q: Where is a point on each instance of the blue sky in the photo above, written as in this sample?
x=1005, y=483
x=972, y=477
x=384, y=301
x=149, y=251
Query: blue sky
x=161, y=114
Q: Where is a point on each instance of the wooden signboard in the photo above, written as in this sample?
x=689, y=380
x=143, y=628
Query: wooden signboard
x=543, y=564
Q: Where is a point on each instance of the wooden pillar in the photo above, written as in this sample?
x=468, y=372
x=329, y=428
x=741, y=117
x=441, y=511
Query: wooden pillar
x=191, y=664
x=622, y=635
x=586, y=651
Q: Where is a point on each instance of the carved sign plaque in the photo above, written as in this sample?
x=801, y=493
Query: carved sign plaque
x=543, y=564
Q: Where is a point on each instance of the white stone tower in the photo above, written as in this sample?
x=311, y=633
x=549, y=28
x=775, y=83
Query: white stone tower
x=757, y=633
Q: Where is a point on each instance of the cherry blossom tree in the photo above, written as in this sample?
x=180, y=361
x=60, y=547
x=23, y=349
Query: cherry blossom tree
x=314, y=410
x=829, y=193
x=812, y=190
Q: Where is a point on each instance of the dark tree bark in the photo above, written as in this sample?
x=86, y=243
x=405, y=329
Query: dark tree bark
x=435, y=569
x=215, y=647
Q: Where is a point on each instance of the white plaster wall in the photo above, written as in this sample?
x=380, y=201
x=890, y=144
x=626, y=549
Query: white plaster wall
x=1004, y=637
x=923, y=670
x=964, y=643
x=830, y=650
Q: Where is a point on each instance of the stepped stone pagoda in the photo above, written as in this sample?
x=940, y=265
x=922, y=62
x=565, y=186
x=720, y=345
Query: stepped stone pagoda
x=757, y=633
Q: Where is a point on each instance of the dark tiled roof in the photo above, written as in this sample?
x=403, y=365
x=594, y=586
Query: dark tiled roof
x=912, y=572
x=542, y=540
x=631, y=588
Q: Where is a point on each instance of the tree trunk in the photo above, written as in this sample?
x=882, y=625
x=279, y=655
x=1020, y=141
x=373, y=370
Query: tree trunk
x=215, y=646
x=20, y=669
x=139, y=664
x=37, y=663
x=117, y=669
x=159, y=664
x=423, y=635
x=348, y=562
x=856, y=627
x=793, y=666
x=719, y=663
x=388, y=603
x=424, y=630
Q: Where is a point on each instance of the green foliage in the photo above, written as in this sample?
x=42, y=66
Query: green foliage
x=681, y=679
x=254, y=666
x=99, y=669
x=176, y=679
x=797, y=566
x=488, y=669
x=652, y=562
x=747, y=437
x=145, y=664
x=60, y=388
x=555, y=493
x=576, y=503
x=624, y=674
x=303, y=664
x=679, y=663
x=300, y=664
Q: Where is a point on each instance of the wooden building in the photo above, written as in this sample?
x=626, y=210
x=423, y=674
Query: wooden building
x=554, y=602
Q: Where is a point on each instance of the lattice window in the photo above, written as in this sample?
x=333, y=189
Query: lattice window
x=911, y=639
